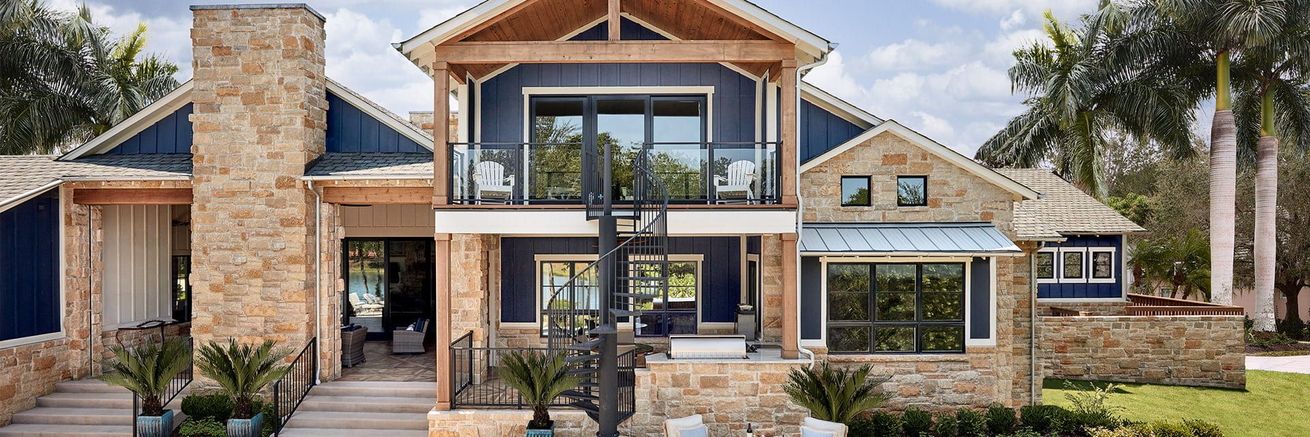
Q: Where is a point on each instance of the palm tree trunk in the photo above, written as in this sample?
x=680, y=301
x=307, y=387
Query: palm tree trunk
x=1266, y=218
x=1223, y=187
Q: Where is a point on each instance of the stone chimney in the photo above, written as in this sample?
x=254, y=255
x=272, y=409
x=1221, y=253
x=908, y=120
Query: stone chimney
x=260, y=117
x=426, y=120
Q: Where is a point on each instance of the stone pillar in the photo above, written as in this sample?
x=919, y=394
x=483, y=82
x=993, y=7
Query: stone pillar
x=790, y=310
x=442, y=287
x=260, y=117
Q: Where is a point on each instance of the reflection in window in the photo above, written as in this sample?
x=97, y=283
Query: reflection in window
x=621, y=127
x=676, y=313
x=911, y=191
x=855, y=191
x=1045, y=265
x=555, y=161
x=678, y=155
x=557, y=293
x=1072, y=265
x=1102, y=264
x=914, y=308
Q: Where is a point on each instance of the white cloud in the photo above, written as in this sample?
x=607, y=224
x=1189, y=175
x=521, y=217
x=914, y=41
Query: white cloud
x=1015, y=19
x=359, y=55
x=833, y=77
x=1001, y=50
x=1033, y=8
x=429, y=17
x=913, y=54
x=168, y=37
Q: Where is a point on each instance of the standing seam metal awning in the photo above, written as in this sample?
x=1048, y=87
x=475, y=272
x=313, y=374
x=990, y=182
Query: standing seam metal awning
x=908, y=238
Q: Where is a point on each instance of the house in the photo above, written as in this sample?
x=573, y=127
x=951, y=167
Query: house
x=620, y=175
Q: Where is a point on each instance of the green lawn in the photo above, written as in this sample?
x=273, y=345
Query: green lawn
x=1273, y=404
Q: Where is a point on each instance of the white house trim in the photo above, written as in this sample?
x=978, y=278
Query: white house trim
x=1091, y=258
x=574, y=223
x=7, y=204
x=1060, y=260
x=1055, y=266
x=928, y=145
x=838, y=107
x=133, y=125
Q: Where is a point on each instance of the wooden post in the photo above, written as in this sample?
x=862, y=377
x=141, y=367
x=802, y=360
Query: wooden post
x=787, y=80
x=614, y=21
x=441, y=133
x=443, y=291
x=790, y=314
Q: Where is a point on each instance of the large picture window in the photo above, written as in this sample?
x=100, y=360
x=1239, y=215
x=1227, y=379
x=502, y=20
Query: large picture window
x=557, y=292
x=895, y=308
x=676, y=313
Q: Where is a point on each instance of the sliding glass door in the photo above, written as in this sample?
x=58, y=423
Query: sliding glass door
x=389, y=284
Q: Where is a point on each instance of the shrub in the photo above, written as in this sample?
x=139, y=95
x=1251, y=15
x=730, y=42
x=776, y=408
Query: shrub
x=835, y=394
x=1201, y=428
x=206, y=427
x=1091, y=408
x=971, y=423
x=1000, y=419
x=1022, y=433
x=946, y=426
x=1293, y=328
x=883, y=424
x=214, y=406
x=916, y=422
x=539, y=378
x=242, y=371
x=1045, y=419
x=148, y=370
x=1267, y=339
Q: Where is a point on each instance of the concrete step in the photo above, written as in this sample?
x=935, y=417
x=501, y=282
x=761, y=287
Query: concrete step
x=121, y=400
x=88, y=386
x=357, y=421
x=367, y=404
x=48, y=430
x=75, y=416
x=419, y=390
x=324, y=432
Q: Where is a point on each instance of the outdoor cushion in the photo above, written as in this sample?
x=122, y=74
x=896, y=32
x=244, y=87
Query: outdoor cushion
x=809, y=432
x=822, y=428
x=697, y=431
x=675, y=427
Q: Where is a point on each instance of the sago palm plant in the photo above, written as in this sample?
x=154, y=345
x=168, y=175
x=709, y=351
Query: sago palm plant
x=835, y=394
x=539, y=378
x=147, y=371
x=242, y=371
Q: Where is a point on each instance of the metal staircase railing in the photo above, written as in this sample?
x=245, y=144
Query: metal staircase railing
x=583, y=316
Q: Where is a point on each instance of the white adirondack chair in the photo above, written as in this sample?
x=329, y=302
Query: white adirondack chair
x=741, y=174
x=489, y=178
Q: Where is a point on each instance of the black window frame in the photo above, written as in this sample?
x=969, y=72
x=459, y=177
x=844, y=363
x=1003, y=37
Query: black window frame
x=900, y=201
x=918, y=323
x=1054, y=258
x=868, y=189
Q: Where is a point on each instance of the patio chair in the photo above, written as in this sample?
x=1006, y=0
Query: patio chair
x=821, y=428
x=690, y=426
x=489, y=178
x=352, y=346
x=741, y=175
x=405, y=341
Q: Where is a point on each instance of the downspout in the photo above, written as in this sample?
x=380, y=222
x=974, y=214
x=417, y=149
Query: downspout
x=800, y=201
x=318, y=266
x=1033, y=383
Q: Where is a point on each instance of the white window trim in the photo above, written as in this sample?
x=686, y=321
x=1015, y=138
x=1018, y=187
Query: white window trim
x=968, y=289
x=63, y=284
x=1065, y=280
x=1091, y=252
x=990, y=341
x=699, y=260
x=536, y=289
x=1055, y=266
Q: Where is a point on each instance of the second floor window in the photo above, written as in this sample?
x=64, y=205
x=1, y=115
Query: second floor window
x=855, y=191
x=911, y=191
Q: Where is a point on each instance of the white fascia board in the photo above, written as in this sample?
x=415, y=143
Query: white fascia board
x=907, y=256
x=836, y=105
x=133, y=125
x=575, y=223
x=931, y=146
x=386, y=117
x=464, y=20
x=6, y=204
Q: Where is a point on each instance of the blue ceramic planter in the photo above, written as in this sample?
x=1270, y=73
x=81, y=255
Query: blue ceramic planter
x=155, y=426
x=245, y=427
x=548, y=432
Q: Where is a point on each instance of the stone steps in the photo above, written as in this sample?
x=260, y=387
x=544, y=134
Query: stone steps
x=87, y=407
x=355, y=408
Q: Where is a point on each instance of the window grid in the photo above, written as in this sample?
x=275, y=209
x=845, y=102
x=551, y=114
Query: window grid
x=869, y=330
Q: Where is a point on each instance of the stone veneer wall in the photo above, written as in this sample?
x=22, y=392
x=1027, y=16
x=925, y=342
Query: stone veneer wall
x=1177, y=350
x=474, y=284
x=1106, y=308
x=260, y=116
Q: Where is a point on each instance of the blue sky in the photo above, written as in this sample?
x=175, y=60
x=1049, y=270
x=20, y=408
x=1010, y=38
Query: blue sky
x=937, y=66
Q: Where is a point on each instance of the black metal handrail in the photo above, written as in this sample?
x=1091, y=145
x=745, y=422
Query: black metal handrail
x=293, y=386
x=175, y=386
x=475, y=379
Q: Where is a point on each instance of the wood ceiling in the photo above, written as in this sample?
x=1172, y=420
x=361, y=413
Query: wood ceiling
x=550, y=20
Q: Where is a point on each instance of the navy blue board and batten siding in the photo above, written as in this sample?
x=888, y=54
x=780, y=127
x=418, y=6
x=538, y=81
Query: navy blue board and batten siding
x=720, y=272
x=822, y=131
x=628, y=31
x=169, y=135
x=1104, y=290
x=29, y=268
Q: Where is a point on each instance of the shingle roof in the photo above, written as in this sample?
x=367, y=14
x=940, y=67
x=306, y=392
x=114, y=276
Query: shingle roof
x=371, y=165
x=1063, y=209
x=20, y=175
x=904, y=238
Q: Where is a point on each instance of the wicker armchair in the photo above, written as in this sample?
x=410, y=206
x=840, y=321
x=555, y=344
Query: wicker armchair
x=404, y=341
x=352, y=346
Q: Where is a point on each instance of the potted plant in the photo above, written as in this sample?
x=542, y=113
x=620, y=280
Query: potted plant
x=147, y=371
x=835, y=394
x=241, y=372
x=539, y=378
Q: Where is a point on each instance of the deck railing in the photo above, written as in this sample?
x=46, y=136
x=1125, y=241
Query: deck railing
x=1146, y=305
x=175, y=386
x=292, y=387
x=476, y=384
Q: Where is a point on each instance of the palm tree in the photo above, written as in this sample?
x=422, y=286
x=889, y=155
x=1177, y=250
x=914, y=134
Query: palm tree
x=242, y=371
x=835, y=394
x=539, y=378
x=147, y=370
x=1273, y=104
x=1179, y=263
x=63, y=79
x=1077, y=98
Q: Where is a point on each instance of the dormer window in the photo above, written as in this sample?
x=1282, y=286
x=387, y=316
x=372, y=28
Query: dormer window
x=911, y=191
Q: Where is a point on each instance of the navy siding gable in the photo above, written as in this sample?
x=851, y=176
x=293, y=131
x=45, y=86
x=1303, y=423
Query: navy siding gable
x=628, y=31
x=170, y=135
x=1106, y=290
x=29, y=268
x=720, y=279
x=822, y=131
x=502, y=96
x=351, y=130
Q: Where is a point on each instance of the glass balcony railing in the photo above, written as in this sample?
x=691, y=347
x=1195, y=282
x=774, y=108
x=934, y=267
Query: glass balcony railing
x=561, y=173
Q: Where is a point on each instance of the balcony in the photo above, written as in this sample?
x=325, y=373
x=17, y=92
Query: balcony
x=745, y=173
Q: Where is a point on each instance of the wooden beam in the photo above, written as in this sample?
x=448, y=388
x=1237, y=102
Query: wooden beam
x=538, y=52
x=441, y=133
x=378, y=195
x=787, y=80
x=132, y=196
x=491, y=22
x=443, y=308
x=790, y=312
x=614, y=21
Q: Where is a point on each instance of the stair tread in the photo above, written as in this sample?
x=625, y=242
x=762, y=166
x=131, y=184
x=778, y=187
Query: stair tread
x=334, y=432
x=372, y=399
x=42, y=429
x=359, y=415
x=92, y=395
x=53, y=411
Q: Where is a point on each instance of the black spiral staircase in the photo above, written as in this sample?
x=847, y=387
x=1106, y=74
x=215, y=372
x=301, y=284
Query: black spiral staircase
x=583, y=316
